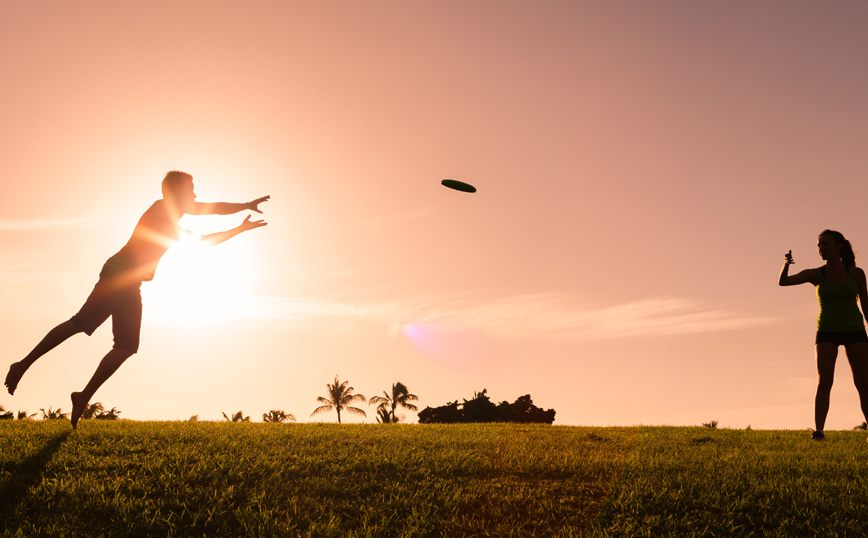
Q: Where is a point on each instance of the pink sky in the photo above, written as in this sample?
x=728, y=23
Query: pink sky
x=642, y=168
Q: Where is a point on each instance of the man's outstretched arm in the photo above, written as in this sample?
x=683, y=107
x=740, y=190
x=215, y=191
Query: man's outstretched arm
x=225, y=208
x=218, y=237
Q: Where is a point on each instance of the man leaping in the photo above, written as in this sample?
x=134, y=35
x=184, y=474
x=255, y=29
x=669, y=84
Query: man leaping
x=117, y=294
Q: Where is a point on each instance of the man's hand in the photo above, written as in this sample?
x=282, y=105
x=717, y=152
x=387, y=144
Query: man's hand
x=251, y=224
x=254, y=205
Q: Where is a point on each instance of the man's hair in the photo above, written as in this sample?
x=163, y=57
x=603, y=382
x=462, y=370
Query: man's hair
x=172, y=180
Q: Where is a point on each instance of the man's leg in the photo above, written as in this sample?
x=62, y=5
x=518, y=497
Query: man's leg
x=51, y=340
x=126, y=326
x=108, y=366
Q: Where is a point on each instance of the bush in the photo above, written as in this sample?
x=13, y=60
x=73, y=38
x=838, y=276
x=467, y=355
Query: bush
x=481, y=409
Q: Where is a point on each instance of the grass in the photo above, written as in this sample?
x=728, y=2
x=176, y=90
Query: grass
x=125, y=478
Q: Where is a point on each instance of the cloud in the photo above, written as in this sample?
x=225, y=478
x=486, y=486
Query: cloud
x=535, y=316
x=47, y=224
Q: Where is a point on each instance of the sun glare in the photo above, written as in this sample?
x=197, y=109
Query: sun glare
x=198, y=284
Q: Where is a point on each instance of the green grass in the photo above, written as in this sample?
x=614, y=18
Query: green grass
x=130, y=478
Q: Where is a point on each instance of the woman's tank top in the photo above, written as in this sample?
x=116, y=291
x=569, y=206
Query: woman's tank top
x=838, y=310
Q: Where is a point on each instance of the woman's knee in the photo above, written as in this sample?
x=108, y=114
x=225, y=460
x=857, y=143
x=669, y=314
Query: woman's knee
x=825, y=382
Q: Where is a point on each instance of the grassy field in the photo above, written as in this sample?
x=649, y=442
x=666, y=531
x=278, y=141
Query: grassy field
x=126, y=478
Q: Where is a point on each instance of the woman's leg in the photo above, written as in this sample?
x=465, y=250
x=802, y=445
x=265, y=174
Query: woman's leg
x=826, y=356
x=857, y=354
x=51, y=340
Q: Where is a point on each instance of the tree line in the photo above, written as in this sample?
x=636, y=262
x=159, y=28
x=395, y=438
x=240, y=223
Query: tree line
x=341, y=398
x=480, y=408
x=92, y=411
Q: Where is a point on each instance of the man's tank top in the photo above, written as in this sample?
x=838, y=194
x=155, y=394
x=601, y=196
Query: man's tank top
x=838, y=310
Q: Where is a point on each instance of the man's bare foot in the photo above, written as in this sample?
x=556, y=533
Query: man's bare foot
x=79, y=404
x=16, y=370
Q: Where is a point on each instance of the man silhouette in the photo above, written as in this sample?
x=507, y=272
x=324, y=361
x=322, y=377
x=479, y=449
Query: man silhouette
x=117, y=294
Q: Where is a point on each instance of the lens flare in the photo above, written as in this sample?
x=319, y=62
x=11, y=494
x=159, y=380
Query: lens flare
x=450, y=344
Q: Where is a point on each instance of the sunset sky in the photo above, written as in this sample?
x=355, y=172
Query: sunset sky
x=642, y=167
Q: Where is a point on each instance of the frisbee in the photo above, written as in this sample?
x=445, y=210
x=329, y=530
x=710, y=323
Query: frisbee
x=458, y=185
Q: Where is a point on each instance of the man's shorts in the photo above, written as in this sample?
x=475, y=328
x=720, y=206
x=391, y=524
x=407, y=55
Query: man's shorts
x=118, y=295
x=841, y=339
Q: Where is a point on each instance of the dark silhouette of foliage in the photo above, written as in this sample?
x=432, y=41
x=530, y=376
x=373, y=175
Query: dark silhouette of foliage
x=97, y=411
x=237, y=417
x=445, y=414
x=340, y=397
x=388, y=403
x=383, y=416
x=9, y=415
x=111, y=414
x=278, y=415
x=92, y=410
x=53, y=414
x=481, y=409
x=523, y=410
x=862, y=427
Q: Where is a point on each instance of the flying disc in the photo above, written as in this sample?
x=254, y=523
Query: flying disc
x=458, y=185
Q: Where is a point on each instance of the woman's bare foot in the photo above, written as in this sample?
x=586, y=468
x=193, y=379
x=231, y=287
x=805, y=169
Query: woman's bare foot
x=79, y=404
x=16, y=370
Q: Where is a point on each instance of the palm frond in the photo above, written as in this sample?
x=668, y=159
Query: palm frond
x=355, y=411
x=378, y=400
x=353, y=398
x=322, y=409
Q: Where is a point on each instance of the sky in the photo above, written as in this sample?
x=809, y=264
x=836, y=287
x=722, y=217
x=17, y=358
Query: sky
x=641, y=166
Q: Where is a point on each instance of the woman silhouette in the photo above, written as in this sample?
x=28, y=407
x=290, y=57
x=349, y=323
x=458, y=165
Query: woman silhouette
x=839, y=282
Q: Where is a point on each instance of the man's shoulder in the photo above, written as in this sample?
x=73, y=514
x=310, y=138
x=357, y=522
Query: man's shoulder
x=157, y=208
x=156, y=214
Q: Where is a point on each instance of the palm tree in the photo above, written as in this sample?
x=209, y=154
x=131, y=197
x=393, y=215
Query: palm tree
x=383, y=416
x=53, y=414
x=111, y=414
x=22, y=415
x=6, y=415
x=340, y=397
x=387, y=403
x=92, y=410
x=237, y=417
x=277, y=415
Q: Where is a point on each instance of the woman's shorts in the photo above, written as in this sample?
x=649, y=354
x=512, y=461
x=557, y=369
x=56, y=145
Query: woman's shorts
x=841, y=339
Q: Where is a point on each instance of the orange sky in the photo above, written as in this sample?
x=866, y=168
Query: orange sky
x=642, y=167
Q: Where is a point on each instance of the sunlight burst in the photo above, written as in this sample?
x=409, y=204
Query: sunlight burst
x=198, y=284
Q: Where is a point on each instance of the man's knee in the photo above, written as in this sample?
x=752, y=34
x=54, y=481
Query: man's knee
x=79, y=324
x=129, y=348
